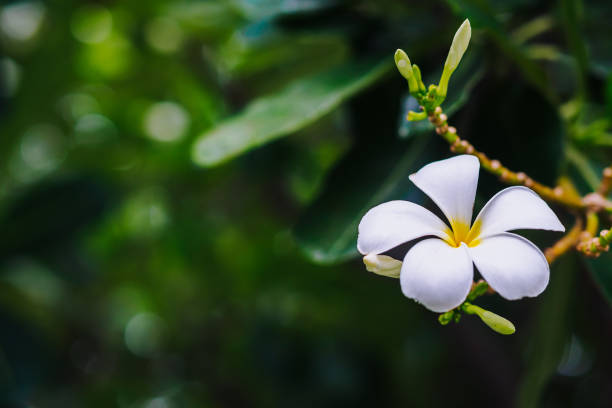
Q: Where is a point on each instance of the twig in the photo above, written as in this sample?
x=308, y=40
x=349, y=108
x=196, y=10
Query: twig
x=449, y=133
x=590, y=244
x=567, y=242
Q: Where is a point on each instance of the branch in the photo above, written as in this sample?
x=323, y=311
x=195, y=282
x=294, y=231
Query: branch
x=567, y=242
x=449, y=133
x=590, y=244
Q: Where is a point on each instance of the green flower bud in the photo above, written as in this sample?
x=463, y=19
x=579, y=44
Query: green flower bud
x=417, y=76
x=402, y=62
x=446, y=318
x=416, y=116
x=457, y=49
x=495, y=322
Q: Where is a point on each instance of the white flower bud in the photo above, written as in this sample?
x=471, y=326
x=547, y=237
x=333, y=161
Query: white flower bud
x=382, y=265
x=459, y=45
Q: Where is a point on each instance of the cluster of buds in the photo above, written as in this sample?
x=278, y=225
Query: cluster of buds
x=594, y=246
x=432, y=96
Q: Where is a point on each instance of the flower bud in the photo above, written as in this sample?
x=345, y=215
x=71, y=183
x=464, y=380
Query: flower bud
x=495, y=322
x=457, y=49
x=416, y=116
x=383, y=265
x=405, y=68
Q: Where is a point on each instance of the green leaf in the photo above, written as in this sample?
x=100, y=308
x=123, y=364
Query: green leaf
x=369, y=175
x=601, y=270
x=298, y=105
x=550, y=334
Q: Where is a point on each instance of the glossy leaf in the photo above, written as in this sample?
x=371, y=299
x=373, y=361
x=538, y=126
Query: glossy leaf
x=298, y=105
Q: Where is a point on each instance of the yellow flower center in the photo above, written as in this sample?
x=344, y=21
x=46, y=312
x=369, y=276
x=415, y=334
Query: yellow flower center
x=460, y=231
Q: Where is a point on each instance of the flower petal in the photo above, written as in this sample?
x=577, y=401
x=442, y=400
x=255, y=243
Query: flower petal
x=395, y=222
x=511, y=265
x=516, y=208
x=451, y=184
x=437, y=275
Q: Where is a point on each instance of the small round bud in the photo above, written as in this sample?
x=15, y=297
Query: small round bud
x=443, y=117
x=452, y=129
x=495, y=164
x=438, y=110
x=607, y=172
x=529, y=182
x=521, y=176
x=558, y=191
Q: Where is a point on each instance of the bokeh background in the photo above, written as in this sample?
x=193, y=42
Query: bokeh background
x=181, y=183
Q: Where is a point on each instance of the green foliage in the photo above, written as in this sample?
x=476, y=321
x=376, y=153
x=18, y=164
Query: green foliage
x=135, y=271
x=600, y=269
x=345, y=202
x=286, y=112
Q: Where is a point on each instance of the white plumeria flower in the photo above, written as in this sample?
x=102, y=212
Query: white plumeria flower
x=437, y=271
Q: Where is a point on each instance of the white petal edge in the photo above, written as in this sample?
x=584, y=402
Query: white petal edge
x=516, y=208
x=451, y=184
x=391, y=224
x=512, y=265
x=437, y=275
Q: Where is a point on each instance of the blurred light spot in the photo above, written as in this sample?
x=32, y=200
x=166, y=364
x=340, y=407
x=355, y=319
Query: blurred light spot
x=41, y=151
x=22, y=21
x=92, y=24
x=73, y=106
x=166, y=122
x=43, y=147
x=10, y=77
x=93, y=128
x=145, y=213
x=159, y=402
x=111, y=58
x=575, y=361
x=143, y=334
x=35, y=281
x=164, y=35
x=125, y=302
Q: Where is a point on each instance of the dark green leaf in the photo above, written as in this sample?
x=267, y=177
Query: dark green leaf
x=601, y=270
x=552, y=331
x=367, y=176
x=271, y=117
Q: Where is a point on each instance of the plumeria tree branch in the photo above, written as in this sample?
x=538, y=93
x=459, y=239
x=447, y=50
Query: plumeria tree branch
x=566, y=243
x=430, y=98
x=583, y=235
x=558, y=194
x=591, y=243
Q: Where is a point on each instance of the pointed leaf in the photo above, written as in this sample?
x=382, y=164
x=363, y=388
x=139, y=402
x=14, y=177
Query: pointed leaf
x=271, y=117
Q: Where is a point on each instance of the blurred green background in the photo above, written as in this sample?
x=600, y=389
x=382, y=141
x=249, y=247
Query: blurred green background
x=154, y=253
